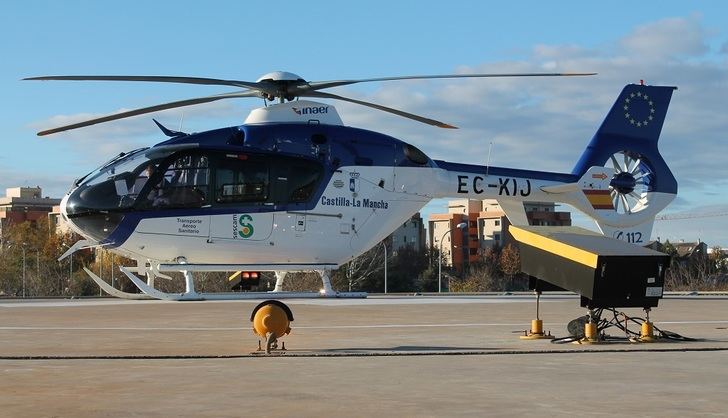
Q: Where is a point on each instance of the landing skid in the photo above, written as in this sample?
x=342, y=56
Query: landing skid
x=114, y=291
x=191, y=295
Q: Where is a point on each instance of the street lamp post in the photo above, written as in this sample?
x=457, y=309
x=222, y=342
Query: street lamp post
x=24, y=244
x=112, y=270
x=385, y=266
x=461, y=225
x=70, y=270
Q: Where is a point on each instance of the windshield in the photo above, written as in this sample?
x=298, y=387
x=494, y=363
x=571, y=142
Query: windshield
x=116, y=184
x=116, y=166
x=98, y=205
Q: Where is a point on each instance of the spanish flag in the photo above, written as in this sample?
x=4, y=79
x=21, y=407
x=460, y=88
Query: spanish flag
x=599, y=199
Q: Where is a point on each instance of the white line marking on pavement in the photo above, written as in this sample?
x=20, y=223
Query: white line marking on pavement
x=461, y=325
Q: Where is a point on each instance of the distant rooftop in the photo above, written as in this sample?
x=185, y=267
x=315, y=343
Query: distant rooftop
x=28, y=196
x=24, y=192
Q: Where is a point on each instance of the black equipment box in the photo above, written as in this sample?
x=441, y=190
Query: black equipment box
x=606, y=272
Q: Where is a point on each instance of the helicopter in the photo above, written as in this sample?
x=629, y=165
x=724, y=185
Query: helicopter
x=294, y=189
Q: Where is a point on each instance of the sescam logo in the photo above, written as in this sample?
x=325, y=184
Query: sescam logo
x=242, y=226
x=311, y=110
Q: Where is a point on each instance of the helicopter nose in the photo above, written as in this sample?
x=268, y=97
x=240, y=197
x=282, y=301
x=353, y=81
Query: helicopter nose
x=89, y=212
x=64, y=212
x=64, y=215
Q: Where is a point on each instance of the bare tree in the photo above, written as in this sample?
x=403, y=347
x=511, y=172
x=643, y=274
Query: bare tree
x=302, y=282
x=362, y=268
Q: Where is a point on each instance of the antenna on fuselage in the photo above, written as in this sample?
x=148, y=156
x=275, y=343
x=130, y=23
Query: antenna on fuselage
x=487, y=165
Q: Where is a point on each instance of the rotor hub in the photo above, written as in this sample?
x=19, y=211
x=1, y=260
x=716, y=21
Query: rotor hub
x=624, y=183
x=282, y=85
x=280, y=76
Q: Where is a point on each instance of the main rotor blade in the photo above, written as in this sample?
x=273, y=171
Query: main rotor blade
x=380, y=107
x=318, y=85
x=150, y=109
x=158, y=79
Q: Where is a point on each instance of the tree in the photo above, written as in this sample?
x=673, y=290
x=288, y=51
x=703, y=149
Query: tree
x=427, y=280
x=364, y=273
x=30, y=250
x=669, y=249
x=483, y=275
x=406, y=268
x=303, y=282
x=719, y=259
x=509, y=263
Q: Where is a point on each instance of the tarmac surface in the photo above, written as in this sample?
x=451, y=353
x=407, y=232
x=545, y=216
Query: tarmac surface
x=385, y=356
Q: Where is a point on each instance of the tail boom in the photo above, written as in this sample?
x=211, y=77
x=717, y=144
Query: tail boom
x=483, y=182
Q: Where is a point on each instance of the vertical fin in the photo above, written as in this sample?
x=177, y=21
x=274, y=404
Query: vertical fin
x=634, y=123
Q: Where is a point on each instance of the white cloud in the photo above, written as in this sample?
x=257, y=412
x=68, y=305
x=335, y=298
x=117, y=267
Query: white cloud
x=667, y=39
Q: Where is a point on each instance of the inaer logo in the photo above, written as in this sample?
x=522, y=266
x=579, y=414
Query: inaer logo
x=311, y=110
x=242, y=226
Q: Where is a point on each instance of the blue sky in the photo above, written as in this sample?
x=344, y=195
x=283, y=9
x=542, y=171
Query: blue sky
x=535, y=124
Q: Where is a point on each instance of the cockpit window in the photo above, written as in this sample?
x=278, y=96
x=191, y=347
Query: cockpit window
x=118, y=167
x=114, y=186
x=167, y=179
x=182, y=183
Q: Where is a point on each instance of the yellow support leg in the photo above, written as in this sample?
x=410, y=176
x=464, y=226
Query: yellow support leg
x=647, y=333
x=591, y=334
x=536, y=332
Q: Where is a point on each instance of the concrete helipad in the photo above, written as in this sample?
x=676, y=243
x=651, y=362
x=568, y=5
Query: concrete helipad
x=385, y=356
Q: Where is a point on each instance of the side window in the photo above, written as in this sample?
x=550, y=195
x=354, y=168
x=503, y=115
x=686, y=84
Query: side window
x=240, y=179
x=185, y=184
x=302, y=180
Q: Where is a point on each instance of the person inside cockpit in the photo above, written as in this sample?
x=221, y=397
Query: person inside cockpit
x=156, y=196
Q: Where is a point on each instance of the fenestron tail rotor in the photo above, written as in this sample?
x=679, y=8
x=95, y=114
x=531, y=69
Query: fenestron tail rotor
x=631, y=182
x=279, y=85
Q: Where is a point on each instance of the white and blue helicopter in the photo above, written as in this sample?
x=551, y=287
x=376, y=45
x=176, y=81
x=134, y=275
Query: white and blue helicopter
x=293, y=189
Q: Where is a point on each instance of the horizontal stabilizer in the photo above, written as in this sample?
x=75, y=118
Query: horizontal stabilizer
x=595, y=179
